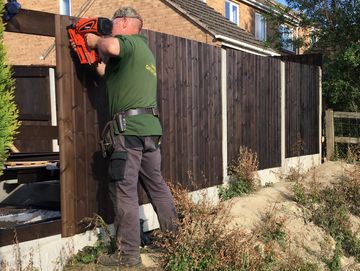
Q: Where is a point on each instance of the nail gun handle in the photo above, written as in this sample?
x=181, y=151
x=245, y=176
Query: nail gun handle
x=85, y=55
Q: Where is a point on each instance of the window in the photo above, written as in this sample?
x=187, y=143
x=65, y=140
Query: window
x=286, y=38
x=65, y=7
x=314, y=38
x=260, y=27
x=232, y=12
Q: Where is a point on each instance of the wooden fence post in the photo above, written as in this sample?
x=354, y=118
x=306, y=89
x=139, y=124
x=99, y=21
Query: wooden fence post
x=330, y=142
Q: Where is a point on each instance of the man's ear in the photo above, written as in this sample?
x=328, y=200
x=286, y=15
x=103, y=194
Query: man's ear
x=125, y=23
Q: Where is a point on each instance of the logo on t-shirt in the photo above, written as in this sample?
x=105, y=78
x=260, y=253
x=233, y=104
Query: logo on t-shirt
x=151, y=68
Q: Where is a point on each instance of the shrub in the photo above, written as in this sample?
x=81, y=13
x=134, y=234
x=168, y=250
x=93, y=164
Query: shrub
x=8, y=109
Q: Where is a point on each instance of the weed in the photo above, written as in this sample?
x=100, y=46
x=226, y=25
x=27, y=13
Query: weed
x=105, y=243
x=243, y=175
x=299, y=192
x=271, y=227
x=330, y=207
x=334, y=263
x=294, y=175
x=206, y=240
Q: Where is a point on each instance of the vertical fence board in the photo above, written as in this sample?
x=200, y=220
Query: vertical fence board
x=81, y=116
x=66, y=128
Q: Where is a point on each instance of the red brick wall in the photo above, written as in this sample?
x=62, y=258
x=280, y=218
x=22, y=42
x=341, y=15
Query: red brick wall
x=28, y=49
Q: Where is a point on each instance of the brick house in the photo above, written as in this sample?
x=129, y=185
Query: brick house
x=236, y=24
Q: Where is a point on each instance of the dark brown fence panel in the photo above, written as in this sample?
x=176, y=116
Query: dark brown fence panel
x=302, y=109
x=253, y=102
x=189, y=88
x=32, y=96
x=82, y=114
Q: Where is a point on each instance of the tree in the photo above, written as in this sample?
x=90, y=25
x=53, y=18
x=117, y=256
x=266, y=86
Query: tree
x=332, y=27
x=8, y=109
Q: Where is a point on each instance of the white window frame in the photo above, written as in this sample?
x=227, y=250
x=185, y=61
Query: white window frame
x=287, y=34
x=231, y=17
x=65, y=7
x=260, y=27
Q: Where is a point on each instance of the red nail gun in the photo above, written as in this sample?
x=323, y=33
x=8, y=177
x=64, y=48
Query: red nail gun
x=99, y=26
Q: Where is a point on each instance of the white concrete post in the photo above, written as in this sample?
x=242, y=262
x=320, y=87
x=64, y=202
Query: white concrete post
x=55, y=144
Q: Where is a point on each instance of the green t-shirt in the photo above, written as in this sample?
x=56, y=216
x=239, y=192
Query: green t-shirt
x=131, y=83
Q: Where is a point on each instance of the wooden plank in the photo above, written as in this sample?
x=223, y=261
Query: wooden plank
x=30, y=174
x=27, y=132
x=195, y=74
x=348, y=140
x=34, y=117
x=347, y=115
x=30, y=71
x=26, y=164
x=32, y=22
x=64, y=85
x=29, y=232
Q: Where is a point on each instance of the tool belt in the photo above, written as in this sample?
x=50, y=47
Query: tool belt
x=108, y=133
x=120, y=118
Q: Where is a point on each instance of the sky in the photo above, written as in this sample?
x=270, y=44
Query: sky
x=283, y=2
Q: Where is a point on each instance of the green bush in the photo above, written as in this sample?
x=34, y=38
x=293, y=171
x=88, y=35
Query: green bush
x=8, y=109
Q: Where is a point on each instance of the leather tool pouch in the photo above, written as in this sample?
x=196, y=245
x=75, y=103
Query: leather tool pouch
x=120, y=122
x=107, y=140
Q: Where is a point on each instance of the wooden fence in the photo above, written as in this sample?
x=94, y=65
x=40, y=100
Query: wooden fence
x=191, y=91
x=332, y=138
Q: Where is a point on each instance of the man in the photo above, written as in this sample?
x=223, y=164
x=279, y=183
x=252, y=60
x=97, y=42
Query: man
x=130, y=76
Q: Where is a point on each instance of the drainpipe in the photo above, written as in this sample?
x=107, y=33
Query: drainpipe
x=248, y=46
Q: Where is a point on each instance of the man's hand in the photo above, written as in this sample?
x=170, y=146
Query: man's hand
x=91, y=40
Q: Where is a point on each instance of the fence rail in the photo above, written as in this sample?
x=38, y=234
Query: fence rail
x=331, y=138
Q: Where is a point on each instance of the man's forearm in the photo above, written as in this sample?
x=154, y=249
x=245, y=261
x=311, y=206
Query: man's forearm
x=109, y=46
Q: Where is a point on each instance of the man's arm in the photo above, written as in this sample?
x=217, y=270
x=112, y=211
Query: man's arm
x=108, y=45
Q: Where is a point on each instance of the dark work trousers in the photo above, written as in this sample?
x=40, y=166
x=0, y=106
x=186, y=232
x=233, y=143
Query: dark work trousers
x=137, y=158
